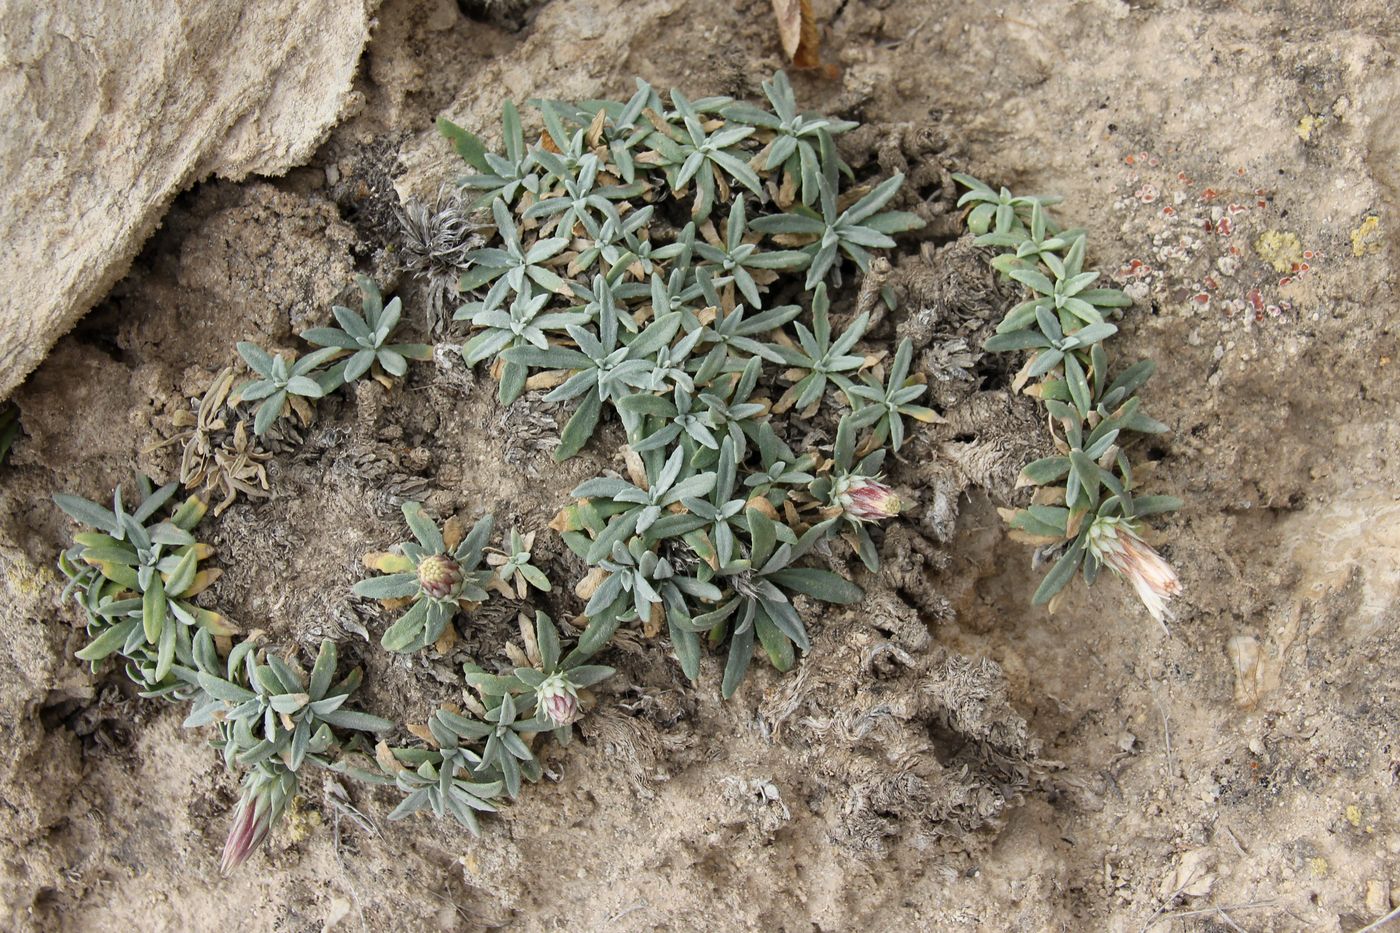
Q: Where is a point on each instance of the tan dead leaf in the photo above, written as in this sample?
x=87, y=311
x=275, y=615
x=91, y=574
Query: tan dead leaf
x=202, y=581
x=423, y=732
x=652, y=626
x=793, y=240
x=516, y=655
x=532, y=645
x=386, y=758
x=1049, y=495
x=659, y=123
x=595, y=129
x=786, y=193
x=453, y=531
x=1023, y=376
x=473, y=705
x=798, y=33
x=300, y=406
x=636, y=467
x=760, y=504
x=1025, y=537
x=722, y=187
x=546, y=380
x=446, y=640
x=590, y=582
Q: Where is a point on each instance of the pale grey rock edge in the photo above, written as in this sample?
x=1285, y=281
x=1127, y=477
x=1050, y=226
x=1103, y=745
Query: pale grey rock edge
x=114, y=107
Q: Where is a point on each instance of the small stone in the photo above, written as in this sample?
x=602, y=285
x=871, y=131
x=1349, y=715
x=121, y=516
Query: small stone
x=1377, y=897
x=338, y=910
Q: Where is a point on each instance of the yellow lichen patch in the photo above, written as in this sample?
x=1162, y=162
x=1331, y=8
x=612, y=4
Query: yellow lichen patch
x=300, y=820
x=1366, y=239
x=1279, y=249
x=27, y=581
x=1318, y=866
x=1306, y=126
x=1353, y=813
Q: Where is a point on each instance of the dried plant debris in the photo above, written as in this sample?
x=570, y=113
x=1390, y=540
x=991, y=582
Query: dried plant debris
x=710, y=282
x=437, y=238
x=225, y=452
x=216, y=457
x=911, y=746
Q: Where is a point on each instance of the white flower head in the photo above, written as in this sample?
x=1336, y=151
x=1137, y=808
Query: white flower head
x=1117, y=545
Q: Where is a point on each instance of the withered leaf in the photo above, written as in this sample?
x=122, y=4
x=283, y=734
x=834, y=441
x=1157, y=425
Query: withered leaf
x=798, y=33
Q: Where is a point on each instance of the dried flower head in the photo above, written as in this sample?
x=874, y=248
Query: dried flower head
x=1116, y=543
x=437, y=238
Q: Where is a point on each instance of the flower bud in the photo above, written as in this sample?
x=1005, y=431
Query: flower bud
x=439, y=575
x=260, y=805
x=558, y=701
x=867, y=500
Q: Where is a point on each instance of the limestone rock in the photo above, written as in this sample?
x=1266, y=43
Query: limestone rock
x=114, y=107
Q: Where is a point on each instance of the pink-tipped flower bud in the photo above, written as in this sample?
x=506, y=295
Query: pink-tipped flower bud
x=867, y=500
x=261, y=804
x=558, y=700
x=439, y=575
x=1116, y=543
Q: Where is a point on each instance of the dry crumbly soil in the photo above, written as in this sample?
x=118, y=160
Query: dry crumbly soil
x=1238, y=166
